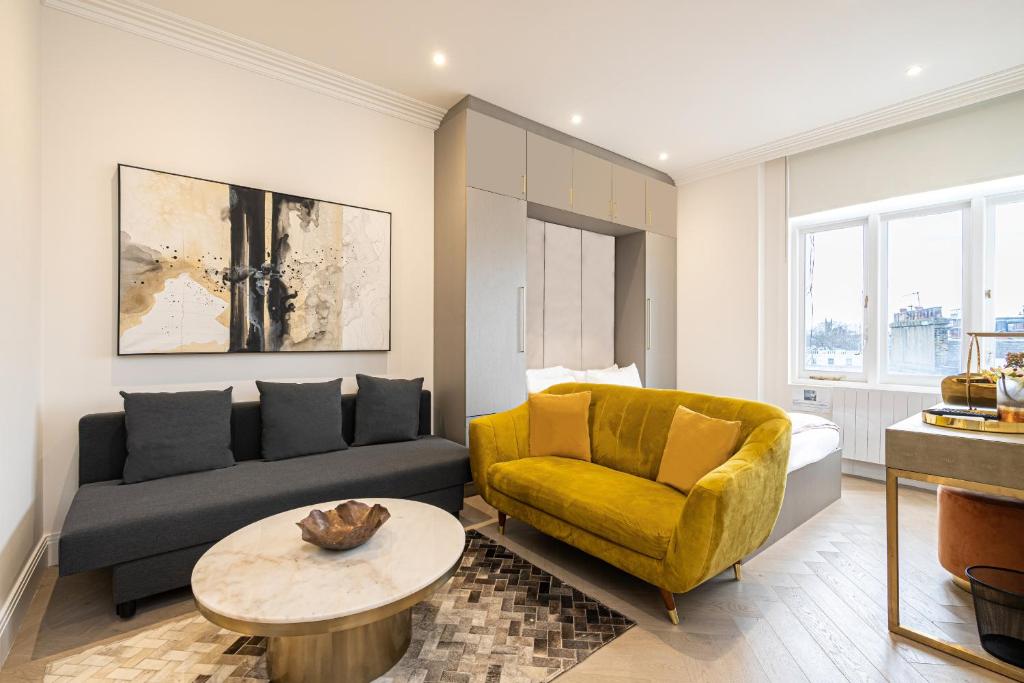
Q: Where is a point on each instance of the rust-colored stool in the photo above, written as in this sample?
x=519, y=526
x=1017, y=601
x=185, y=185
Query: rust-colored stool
x=979, y=528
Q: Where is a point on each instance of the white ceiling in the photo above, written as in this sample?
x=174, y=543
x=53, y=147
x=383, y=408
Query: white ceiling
x=700, y=80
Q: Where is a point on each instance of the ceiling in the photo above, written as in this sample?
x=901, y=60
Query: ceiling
x=698, y=80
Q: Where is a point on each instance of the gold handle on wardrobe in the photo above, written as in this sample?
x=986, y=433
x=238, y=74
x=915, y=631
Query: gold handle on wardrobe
x=524, y=185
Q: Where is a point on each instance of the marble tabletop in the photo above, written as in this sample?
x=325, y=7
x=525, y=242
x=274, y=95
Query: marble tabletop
x=266, y=574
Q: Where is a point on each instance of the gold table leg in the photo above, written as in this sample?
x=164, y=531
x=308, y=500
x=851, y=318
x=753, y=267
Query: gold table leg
x=892, y=477
x=357, y=654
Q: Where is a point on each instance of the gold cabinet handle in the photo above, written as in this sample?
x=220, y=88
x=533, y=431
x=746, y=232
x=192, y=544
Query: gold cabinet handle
x=524, y=185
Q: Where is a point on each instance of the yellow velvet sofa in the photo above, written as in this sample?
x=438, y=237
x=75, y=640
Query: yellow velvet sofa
x=614, y=509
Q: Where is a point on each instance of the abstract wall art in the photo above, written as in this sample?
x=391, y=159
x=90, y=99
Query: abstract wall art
x=209, y=267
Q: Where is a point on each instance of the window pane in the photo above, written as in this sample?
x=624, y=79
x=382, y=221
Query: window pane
x=925, y=283
x=1008, y=287
x=834, y=301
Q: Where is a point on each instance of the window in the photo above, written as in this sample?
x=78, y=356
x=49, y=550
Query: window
x=924, y=269
x=1006, y=294
x=884, y=293
x=833, y=303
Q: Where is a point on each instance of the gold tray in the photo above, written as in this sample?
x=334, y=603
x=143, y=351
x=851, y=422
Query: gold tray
x=978, y=424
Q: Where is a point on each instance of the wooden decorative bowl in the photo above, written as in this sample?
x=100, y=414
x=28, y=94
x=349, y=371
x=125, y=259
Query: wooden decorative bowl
x=347, y=526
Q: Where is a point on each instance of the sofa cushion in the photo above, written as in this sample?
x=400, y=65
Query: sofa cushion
x=300, y=419
x=696, y=445
x=176, y=433
x=632, y=511
x=559, y=426
x=387, y=410
x=108, y=524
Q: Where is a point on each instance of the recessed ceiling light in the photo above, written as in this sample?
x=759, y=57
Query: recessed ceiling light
x=914, y=70
x=576, y=119
x=663, y=156
x=440, y=59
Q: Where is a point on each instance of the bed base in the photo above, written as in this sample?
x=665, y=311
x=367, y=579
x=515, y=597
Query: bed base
x=818, y=485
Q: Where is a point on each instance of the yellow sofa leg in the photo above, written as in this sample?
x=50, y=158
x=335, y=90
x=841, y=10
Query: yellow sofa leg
x=670, y=605
x=737, y=570
x=502, y=518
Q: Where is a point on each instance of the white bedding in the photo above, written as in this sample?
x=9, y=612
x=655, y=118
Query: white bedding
x=814, y=437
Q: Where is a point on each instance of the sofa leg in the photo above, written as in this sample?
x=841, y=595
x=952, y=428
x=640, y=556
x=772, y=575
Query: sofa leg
x=502, y=518
x=670, y=605
x=737, y=570
x=125, y=610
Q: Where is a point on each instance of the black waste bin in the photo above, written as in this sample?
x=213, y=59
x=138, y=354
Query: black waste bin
x=999, y=609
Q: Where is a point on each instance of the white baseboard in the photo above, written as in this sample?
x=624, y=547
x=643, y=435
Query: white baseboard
x=17, y=601
x=52, y=548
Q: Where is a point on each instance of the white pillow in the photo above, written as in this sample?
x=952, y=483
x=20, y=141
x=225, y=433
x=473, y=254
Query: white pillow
x=628, y=376
x=581, y=375
x=542, y=378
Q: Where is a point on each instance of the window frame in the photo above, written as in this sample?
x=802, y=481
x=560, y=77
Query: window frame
x=977, y=202
x=988, y=313
x=883, y=312
x=800, y=301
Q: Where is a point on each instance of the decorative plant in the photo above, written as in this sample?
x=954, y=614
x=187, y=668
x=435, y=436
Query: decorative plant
x=1013, y=369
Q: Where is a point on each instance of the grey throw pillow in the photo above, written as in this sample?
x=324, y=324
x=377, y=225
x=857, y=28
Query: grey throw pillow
x=176, y=433
x=300, y=419
x=387, y=410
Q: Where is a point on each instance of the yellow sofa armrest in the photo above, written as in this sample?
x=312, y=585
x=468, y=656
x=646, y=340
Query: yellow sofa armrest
x=497, y=438
x=732, y=509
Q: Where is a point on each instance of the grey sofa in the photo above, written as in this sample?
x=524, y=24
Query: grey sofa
x=152, y=533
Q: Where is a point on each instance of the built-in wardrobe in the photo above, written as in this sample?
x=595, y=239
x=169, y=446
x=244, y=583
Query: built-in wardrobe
x=548, y=251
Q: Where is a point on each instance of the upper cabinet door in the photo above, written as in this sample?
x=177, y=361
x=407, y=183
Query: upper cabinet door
x=628, y=201
x=661, y=207
x=548, y=172
x=591, y=185
x=495, y=155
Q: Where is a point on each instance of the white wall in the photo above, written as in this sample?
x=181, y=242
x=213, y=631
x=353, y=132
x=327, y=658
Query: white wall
x=110, y=96
x=717, y=281
x=965, y=146
x=19, y=344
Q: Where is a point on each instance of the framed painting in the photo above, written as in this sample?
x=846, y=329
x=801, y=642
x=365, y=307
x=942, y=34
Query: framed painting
x=211, y=267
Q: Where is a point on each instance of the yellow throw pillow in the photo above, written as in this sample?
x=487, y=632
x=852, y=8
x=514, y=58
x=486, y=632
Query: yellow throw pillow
x=558, y=425
x=696, y=445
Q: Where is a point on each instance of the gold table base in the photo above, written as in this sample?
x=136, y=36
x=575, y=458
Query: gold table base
x=892, y=477
x=355, y=654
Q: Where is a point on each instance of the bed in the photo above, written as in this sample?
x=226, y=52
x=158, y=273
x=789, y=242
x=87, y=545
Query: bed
x=815, y=473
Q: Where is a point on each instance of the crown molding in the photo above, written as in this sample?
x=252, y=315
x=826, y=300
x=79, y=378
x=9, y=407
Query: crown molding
x=938, y=102
x=180, y=32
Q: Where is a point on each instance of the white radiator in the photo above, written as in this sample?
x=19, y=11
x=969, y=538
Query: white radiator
x=863, y=415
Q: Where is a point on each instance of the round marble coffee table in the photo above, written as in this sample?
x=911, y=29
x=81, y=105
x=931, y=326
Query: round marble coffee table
x=329, y=615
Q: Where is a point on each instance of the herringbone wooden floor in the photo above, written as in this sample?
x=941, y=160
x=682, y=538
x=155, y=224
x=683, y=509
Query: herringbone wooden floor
x=810, y=608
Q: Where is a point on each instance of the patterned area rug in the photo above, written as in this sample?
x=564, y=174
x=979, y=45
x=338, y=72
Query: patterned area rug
x=500, y=618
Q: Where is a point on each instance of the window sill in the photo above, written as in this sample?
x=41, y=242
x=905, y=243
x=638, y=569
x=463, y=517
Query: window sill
x=854, y=384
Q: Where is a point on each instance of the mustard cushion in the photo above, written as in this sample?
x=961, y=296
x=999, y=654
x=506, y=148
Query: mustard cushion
x=559, y=425
x=696, y=445
x=630, y=511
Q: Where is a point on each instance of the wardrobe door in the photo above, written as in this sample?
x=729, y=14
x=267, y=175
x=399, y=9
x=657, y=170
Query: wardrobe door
x=591, y=185
x=548, y=172
x=661, y=207
x=598, y=298
x=628, y=202
x=660, y=312
x=495, y=155
x=534, y=293
x=562, y=296
x=495, y=302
